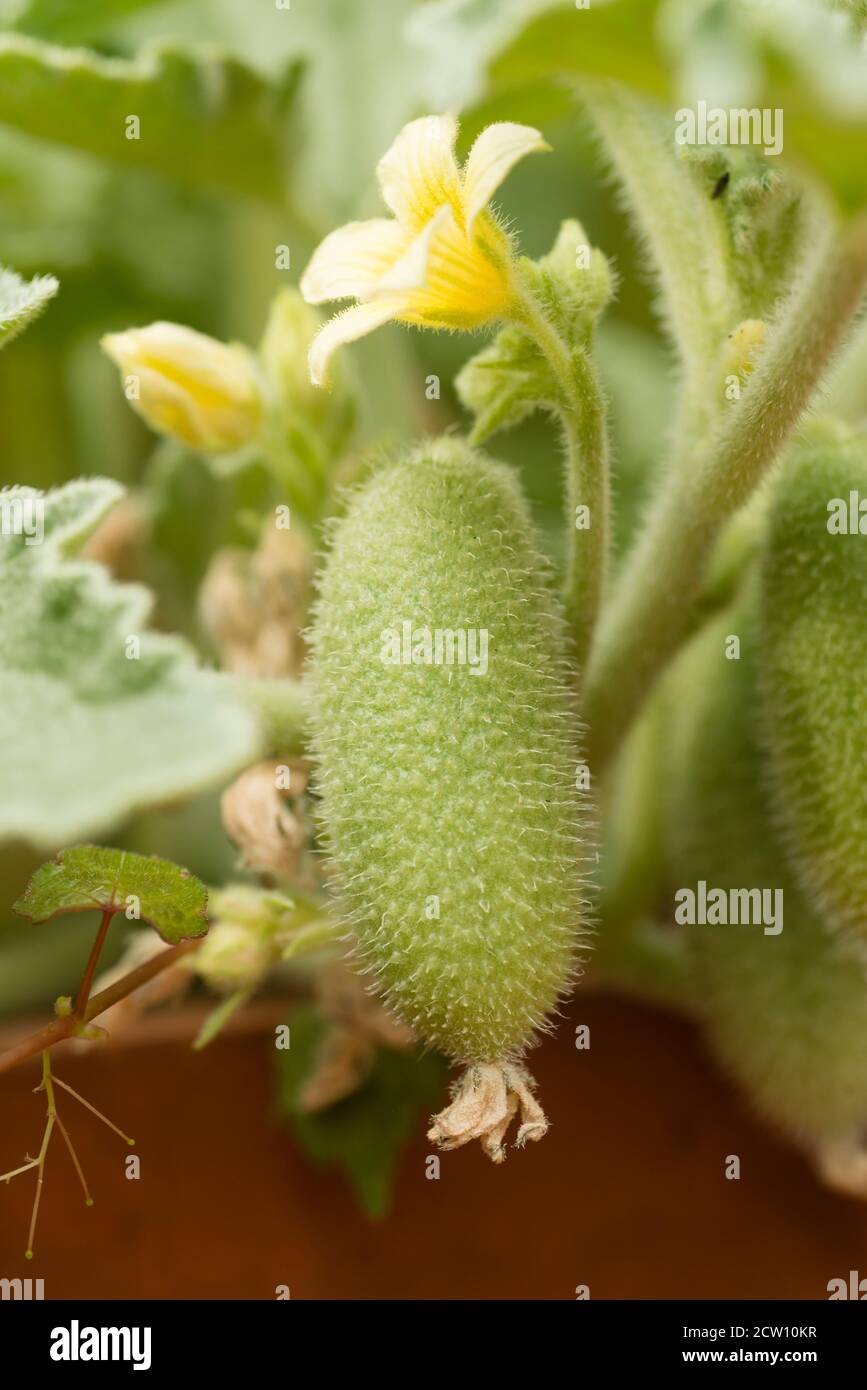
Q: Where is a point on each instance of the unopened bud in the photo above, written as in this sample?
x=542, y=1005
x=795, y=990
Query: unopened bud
x=189, y=386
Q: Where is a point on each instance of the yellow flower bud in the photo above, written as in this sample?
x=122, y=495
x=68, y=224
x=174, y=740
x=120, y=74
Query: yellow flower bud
x=189, y=386
x=743, y=347
x=233, y=956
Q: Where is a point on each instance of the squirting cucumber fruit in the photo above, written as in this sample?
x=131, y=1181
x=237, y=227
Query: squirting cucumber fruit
x=446, y=741
x=786, y=1012
x=814, y=638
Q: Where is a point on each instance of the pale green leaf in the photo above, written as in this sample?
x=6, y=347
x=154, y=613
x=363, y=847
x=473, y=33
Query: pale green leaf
x=91, y=731
x=361, y=87
x=610, y=37
x=72, y=20
x=21, y=301
x=91, y=878
x=791, y=55
x=202, y=116
x=504, y=383
x=458, y=38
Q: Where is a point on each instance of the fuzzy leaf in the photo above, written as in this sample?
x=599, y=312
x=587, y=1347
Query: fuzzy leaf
x=457, y=39
x=21, y=301
x=504, y=383
x=814, y=661
x=573, y=283
x=365, y=1133
x=792, y=55
x=90, y=734
x=69, y=20
x=91, y=878
x=360, y=89
x=204, y=117
x=508, y=380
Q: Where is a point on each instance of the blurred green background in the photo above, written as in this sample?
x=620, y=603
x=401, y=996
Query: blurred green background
x=260, y=126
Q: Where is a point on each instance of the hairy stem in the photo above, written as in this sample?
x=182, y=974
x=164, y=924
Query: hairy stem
x=584, y=418
x=652, y=612
x=587, y=482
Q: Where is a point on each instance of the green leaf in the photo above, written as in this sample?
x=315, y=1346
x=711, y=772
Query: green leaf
x=617, y=36
x=504, y=383
x=90, y=731
x=364, y=1134
x=509, y=379
x=458, y=38
x=90, y=878
x=203, y=116
x=361, y=87
x=791, y=55
x=68, y=20
x=21, y=301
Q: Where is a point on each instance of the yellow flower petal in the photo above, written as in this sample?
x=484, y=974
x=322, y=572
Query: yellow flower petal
x=187, y=385
x=420, y=173
x=496, y=151
x=348, y=326
x=410, y=272
x=444, y=262
x=463, y=287
x=350, y=262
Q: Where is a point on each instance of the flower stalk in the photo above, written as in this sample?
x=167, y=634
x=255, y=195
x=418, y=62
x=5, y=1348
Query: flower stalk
x=582, y=413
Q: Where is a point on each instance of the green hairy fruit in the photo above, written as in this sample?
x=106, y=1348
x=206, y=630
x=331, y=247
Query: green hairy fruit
x=815, y=656
x=786, y=1012
x=448, y=789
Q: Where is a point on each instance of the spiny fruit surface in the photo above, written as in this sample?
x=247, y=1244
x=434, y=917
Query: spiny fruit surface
x=449, y=796
x=787, y=1014
x=814, y=619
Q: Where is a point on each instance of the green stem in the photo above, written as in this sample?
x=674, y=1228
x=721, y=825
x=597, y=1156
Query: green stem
x=653, y=609
x=587, y=481
x=48, y=1087
x=583, y=415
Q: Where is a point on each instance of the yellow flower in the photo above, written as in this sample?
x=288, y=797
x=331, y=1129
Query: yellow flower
x=442, y=261
x=187, y=385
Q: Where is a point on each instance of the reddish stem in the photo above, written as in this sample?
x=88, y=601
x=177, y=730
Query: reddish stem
x=92, y=962
x=64, y=1027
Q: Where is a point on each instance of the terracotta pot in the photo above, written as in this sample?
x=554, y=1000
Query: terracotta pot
x=627, y=1194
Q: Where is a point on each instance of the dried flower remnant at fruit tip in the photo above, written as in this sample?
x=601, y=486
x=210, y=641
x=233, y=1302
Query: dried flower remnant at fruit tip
x=485, y=1101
